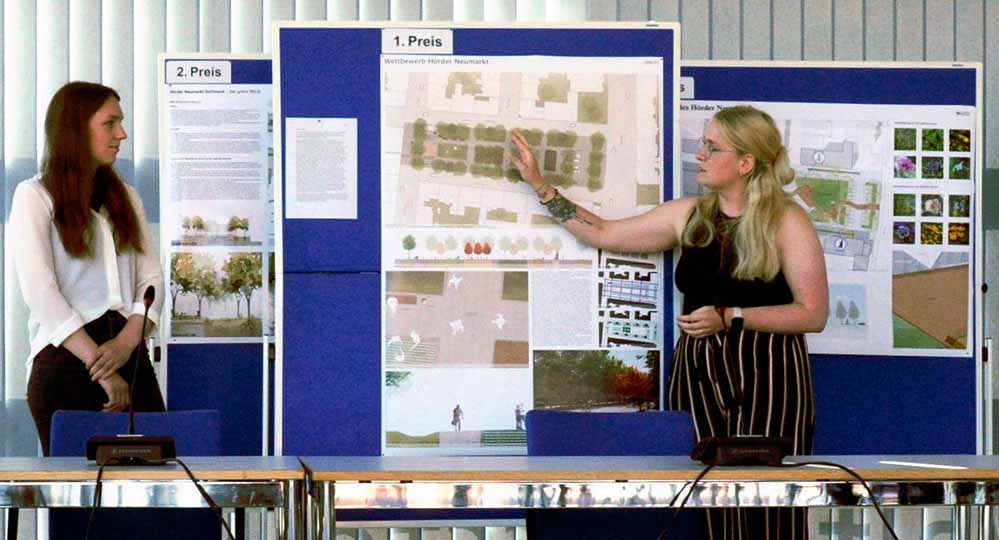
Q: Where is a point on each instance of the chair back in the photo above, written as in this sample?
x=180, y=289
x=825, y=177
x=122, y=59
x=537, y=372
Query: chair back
x=197, y=433
x=649, y=433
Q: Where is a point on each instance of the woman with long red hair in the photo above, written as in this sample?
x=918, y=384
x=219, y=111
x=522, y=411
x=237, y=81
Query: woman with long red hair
x=84, y=258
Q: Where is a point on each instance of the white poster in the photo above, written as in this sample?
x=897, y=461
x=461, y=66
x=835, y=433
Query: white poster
x=889, y=189
x=478, y=277
x=321, y=158
x=218, y=221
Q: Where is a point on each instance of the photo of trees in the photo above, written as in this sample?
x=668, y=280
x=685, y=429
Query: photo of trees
x=618, y=380
x=216, y=294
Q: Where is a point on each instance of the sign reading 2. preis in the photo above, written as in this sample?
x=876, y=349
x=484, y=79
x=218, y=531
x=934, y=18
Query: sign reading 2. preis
x=198, y=71
x=417, y=41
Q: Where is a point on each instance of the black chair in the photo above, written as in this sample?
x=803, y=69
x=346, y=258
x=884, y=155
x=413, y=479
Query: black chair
x=197, y=433
x=651, y=433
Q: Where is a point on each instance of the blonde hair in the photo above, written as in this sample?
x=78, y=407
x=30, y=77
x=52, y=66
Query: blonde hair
x=751, y=131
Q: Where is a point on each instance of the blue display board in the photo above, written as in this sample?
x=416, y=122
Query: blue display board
x=330, y=308
x=215, y=374
x=873, y=404
x=223, y=376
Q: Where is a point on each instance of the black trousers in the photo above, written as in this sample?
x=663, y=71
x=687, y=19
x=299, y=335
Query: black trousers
x=757, y=384
x=60, y=381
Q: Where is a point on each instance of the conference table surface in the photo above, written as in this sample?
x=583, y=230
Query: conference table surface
x=231, y=481
x=214, y=468
x=546, y=469
x=337, y=483
x=496, y=482
x=968, y=483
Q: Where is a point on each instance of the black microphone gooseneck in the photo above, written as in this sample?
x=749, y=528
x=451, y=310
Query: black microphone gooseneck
x=147, y=301
x=132, y=449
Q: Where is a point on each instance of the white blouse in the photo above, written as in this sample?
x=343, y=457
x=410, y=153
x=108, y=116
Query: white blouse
x=62, y=292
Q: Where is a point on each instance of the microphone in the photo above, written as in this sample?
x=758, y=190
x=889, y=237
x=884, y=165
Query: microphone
x=147, y=301
x=130, y=448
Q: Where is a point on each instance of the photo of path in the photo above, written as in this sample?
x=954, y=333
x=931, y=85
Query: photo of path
x=618, y=380
x=458, y=411
x=930, y=304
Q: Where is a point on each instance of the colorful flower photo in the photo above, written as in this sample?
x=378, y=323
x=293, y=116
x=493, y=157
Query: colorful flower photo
x=931, y=205
x=931, y=233
x=904, y=232
x=960, y=168
x=905, y=204
x=933, y=167
x=905, y=166
x=959, y=205
x=958, y=234
x=933, y=140
x=905, y=139
x=960, y=140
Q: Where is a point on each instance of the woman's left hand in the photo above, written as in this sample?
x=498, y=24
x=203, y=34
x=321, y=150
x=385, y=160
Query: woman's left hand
x=111, y=355
x=702, y=322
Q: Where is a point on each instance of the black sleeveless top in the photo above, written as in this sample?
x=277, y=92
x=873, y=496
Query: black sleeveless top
x=706, y=280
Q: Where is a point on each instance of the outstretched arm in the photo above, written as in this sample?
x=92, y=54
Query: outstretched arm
x=658, y=229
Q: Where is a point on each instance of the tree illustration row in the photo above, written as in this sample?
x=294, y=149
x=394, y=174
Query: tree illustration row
x=485, y=246
x=197, y=224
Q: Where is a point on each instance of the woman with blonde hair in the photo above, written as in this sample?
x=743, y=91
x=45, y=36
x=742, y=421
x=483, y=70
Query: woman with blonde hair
x=753, y=279
x=84, y=259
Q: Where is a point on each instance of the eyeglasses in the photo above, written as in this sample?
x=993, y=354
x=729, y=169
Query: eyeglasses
x=709, y=148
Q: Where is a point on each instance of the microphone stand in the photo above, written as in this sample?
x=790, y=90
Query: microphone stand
x=131, y=448
x=147, y=301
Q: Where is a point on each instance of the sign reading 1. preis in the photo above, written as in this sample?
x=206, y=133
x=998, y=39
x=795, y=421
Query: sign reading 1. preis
x=417, y=41
x=198, y=71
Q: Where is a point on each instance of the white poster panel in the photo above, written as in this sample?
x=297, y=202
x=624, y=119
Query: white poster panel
x=217, y=204
x=889, y=189
x=478, y=277
x=321, y=168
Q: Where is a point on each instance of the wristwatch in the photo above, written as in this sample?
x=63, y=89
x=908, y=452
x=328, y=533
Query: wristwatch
x=737, y=320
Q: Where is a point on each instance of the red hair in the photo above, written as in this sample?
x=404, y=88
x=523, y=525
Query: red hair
x=68, y=162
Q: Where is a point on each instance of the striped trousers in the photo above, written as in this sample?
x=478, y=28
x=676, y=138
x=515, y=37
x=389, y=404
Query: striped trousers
x=759, y=384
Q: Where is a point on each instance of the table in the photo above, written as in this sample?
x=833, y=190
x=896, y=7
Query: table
x=968, y=483
x=232, y=481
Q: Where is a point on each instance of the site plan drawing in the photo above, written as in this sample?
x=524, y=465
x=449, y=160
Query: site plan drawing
x=889, y=190
x=478, y=276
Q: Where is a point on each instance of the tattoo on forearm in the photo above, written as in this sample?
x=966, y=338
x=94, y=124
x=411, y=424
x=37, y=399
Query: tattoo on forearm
x=561, y=209
x=579, y=218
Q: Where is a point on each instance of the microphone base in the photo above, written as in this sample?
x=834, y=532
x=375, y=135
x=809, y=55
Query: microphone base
x=745, y=450
x=131, y=449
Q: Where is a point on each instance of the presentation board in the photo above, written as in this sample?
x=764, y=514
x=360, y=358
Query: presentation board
x=396, y=183
x=217, y=208
x=888, y=166
x=889, y=182
x=216, y=233
x=332, y=296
